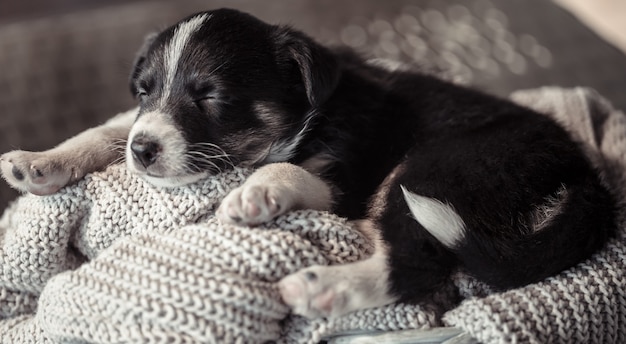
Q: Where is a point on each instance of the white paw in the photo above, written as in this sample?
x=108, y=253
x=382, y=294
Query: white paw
x=316, y=292
x=37, y=173
x=332, y=291
x=252, y=204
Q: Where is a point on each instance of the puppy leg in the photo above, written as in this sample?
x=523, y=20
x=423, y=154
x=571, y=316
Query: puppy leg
x=44, y=173
x=331, y=291
x=271, y=191
x=409, y=264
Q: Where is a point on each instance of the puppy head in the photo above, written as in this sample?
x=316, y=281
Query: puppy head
x=222, y=88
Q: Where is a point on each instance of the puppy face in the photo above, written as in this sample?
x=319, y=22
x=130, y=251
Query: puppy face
x=222, y=88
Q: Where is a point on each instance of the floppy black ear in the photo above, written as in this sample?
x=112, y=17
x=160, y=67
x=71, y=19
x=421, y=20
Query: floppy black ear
x=317, y=65
x=140, y=60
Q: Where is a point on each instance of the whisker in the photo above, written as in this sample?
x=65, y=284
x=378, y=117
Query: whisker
x=195, y=168
x=194, y=160
x=116, y=145
x=211, y=151
x=205, y=160
x=207, y=156
x=119, y=160
x=218, y=67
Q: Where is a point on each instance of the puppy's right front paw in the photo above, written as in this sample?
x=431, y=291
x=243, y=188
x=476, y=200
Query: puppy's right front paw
x=36, y=172
x=253, y=204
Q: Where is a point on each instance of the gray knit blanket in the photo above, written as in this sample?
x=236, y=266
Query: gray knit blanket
x=113, y=259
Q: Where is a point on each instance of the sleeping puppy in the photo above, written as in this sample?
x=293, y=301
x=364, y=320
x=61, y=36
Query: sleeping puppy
x=439, y=177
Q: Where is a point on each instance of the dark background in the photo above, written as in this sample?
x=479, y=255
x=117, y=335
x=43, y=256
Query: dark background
x=64, y=64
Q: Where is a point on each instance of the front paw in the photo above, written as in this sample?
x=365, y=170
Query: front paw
x=36, y=172
x=252, y=204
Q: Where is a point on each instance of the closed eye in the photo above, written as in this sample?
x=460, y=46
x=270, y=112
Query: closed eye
x=206, y=97
x=142, y=94
x=203, y=93
x=205, y=100
x=143, y=89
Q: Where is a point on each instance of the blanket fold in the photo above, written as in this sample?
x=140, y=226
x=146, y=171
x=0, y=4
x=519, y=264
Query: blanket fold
x=113, y=259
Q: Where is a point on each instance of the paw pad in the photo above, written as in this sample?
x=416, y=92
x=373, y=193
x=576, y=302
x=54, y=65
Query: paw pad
x=252, y=204
x=17, y=173
x=37, y=173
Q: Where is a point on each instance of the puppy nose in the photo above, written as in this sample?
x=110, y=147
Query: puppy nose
x=145, y=152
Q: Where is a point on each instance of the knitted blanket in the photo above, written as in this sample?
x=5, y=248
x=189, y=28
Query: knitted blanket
x=113, y=259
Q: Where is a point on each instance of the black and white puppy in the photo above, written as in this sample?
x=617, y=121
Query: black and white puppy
x=441, y=177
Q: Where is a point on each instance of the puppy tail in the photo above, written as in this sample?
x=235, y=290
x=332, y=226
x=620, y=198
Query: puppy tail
x=570, y=225
x=438, y=218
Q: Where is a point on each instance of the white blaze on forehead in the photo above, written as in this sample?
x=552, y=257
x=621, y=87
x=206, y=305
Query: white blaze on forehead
x=175, y=47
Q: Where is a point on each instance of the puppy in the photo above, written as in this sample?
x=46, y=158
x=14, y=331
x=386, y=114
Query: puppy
x=439, y=176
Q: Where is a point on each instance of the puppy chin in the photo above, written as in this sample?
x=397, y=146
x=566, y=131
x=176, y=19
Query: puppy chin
x=175, y=181
x=163, y=180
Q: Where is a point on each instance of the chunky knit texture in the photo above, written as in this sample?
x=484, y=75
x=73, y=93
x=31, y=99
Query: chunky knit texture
x=113, y=259
x=152, y=277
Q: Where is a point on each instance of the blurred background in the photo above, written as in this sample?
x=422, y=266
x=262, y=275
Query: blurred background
x=64, y=64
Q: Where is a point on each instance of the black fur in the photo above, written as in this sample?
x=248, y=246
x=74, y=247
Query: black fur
x=494, y=162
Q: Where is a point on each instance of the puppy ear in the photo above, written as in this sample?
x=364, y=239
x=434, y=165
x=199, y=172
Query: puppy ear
x=317, y=65
x=140, y=60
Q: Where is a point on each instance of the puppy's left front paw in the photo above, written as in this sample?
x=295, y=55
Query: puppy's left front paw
x=40, y=173
x=252, y=204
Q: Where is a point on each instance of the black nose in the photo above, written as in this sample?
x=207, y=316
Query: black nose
x=145, y=152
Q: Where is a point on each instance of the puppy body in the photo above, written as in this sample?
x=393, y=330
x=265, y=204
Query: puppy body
x=505, y=192
x=445, y=177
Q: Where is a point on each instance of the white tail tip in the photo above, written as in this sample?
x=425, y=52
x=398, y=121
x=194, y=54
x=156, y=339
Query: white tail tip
x=436, y=217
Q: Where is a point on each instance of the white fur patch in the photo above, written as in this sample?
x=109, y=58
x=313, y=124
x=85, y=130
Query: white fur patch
x=284, y=150
x=436, y=217
x=340, y=289
x=170, y=169
x=545, y=213
x=175, y=181
x=156, y=125
x=174, y=49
